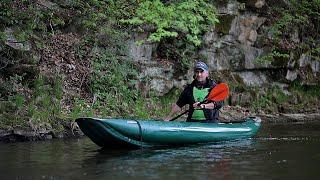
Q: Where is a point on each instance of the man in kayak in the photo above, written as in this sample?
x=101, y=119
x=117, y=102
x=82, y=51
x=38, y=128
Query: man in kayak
x=195, y=93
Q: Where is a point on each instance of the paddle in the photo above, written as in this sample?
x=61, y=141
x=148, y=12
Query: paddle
x=219, y=93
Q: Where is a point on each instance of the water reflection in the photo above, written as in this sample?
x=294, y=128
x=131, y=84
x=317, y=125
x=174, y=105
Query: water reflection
x=170, y=162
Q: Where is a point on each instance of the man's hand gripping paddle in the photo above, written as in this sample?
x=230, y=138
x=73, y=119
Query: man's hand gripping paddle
x=219, y=93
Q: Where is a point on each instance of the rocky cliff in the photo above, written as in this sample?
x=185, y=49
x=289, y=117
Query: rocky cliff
x=232, y=50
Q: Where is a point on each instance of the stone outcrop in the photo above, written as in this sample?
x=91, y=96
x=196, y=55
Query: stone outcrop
x=34, y=133
x=13, y=42
x=232, y=46
x=308, y=71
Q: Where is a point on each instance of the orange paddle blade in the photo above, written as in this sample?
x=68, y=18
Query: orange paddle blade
x=219, y=93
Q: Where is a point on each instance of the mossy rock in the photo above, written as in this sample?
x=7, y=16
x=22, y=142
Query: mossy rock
x=224, y=25
x=280, y=62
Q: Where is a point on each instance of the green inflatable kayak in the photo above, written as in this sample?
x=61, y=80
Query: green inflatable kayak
x=114, y=133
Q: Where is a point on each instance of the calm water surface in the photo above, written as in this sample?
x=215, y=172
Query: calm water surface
x=279, y=151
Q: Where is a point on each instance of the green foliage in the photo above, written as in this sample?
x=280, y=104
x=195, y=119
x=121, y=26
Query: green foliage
x=269, y=100
x=113, y=86
x=81, y=109
x=113, y=81
x=140, y=110
x=298, y=16
x=10, y=113
x=315, y=53
x=30, y=19
x=18, y=100
x=308, y=92
x=95, y=15
x=27, y=18
x=10, y=85
x=166, y=102
x=154, y=107
x=11, y=102
x=302, y=97
x=271, y=57
x=42, y=107
x=187, y=19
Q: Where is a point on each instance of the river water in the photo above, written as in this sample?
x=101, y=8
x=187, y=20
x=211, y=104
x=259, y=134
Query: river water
x=279, y=151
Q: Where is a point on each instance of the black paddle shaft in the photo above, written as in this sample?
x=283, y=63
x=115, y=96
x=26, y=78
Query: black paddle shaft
x=186, y=111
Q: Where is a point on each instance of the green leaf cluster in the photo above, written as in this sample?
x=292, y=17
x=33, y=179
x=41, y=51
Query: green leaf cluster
x=271, y=57
x=188, y=19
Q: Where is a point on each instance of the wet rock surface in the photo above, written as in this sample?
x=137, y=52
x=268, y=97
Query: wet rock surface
x=70, y=130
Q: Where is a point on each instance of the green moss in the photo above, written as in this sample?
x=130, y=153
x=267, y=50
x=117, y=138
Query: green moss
x=308, y=91
x=277, y=59
x=295, y=16
x=224, y=24
x=11, y=115
x=280, y=62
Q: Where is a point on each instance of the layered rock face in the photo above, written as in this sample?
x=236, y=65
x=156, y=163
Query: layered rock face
x=231, y=50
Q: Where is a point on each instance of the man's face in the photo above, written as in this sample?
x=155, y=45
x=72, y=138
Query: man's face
x=201, y=75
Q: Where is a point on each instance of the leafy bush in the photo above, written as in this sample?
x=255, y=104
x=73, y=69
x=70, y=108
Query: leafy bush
x=274, y=55
x=188, y=19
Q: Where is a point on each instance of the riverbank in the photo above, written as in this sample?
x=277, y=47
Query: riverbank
x=21, y=134
x=71, y=129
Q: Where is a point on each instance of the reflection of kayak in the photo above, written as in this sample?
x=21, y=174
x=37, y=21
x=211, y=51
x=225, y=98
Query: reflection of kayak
x=113, y=133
